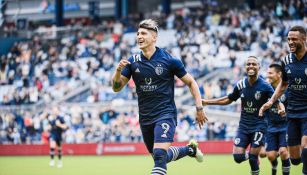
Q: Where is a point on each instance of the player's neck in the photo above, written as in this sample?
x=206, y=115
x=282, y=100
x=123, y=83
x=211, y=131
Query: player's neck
x=275, y=84
x=149, y=51
x=252, y=79
x=299, y=55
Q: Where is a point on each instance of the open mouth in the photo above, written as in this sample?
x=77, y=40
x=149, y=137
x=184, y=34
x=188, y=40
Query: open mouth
x=292, y=46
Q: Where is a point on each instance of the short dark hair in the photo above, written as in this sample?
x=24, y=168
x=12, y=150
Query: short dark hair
x=276, y=66
x=300, y=29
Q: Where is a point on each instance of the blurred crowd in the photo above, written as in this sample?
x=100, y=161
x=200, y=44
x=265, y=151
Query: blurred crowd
x=100, y=126
x=207, y=38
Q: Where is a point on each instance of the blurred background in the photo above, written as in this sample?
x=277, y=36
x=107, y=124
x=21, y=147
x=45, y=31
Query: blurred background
x=65, y=51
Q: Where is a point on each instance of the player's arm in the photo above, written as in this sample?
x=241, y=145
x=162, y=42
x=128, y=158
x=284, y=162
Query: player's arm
x=280, y=89
x=118, y=80
x=61, y=125
x=217, y=101
x=194, y=89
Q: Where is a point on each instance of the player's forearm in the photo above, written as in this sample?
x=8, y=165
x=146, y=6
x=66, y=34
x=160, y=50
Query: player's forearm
x=280, y=89
x=195, y=93
x=116, y=81
x=217, y=101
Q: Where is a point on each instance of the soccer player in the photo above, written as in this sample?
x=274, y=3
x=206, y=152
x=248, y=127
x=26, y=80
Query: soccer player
x=254, y=91
x=57, y=127
x=276, y=143
x=153, y=72
x=294, y=78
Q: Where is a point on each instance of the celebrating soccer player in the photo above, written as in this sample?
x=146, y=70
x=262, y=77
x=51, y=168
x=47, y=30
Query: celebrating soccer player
x=254, y=92
x=276, y=141
x=153, y=72
x=294, y=78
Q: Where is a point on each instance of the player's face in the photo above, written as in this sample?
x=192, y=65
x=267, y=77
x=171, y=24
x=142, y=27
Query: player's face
x=296, y=41
x=252, y=67
x=55, y=110
x=272, y=76
x=145, y=38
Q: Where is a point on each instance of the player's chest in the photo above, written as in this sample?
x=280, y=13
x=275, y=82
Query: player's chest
x=153, y=70
x=253, y=94
x=297, y=71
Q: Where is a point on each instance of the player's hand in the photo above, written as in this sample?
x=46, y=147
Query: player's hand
x=281, y=110
x=282, y=113
x=122, y=64
x=201, y=118
x=204, y=102
x=264, y=107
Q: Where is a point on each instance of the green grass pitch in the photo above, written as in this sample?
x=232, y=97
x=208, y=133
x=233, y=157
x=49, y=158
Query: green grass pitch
x=130, y=165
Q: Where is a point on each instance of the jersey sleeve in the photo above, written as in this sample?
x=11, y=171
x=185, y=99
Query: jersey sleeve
x=235, y=94
x=127, y=72
x=283, y=70
x=178, y=68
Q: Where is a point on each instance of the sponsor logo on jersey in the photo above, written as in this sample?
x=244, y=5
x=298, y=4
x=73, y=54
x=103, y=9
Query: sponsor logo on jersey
x=249, y=103
x=298, y=80
x=249, y=108
x=148, y=81
x=148, y=87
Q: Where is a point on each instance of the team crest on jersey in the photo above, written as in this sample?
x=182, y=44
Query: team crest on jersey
x=306, y=71
x=148, y=81
x=159, y=69
x=298, y=80
x=283, y=98
x=249, y=103
x=257, y=95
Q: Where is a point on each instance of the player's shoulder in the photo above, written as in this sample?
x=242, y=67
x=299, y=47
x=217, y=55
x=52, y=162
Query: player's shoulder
x=165, y=54
x=264, y=83
x=241, y=84
x=134, y=58
x=288, y=59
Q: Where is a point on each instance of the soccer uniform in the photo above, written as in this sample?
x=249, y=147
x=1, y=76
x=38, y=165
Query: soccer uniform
x=295, y=73
x=56, y=132
x=154, y=80
x=251, y=127
x=276, y=135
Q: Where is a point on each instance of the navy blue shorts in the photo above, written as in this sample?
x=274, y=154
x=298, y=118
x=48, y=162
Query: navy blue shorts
x=297, y=127
x=159, y=132
x=56, y=138
x=255, y=139
x=275, y=140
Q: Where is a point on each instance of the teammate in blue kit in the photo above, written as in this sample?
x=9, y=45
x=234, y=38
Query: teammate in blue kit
x=57, y=127
x=276, y=136
x=254, y=92
x=153, y=72
x=294, y=79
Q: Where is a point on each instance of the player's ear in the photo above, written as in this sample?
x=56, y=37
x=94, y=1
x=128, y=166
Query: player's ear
x=154, y=35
